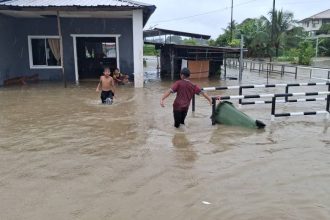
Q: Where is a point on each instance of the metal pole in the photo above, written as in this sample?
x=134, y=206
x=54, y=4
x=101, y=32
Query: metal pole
x=241, y=59
x=317, y=47
x=273, y=23
x=328, y=100
x=193, y=103
x=213, y=110
x=61, y=46
x=225, y=65
x=172, y=63
x=273, y=107
x=231, y=21
x=286, y=91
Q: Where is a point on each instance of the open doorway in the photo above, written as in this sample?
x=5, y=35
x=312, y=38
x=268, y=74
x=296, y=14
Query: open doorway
x=93, y=53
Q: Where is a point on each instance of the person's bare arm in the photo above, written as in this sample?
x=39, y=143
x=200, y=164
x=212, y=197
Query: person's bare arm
x=165, y=95
x=207, y=97
x=98, y=85
x=113, y=86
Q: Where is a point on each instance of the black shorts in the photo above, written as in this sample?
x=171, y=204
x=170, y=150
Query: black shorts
x=179, y=117
x=105, y=95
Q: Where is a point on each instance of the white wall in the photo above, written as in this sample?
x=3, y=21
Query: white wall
x=314, y=25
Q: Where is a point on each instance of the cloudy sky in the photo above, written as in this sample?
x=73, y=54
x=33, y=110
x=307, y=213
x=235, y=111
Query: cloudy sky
x=211, y=16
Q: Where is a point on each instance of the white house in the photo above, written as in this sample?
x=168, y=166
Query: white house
x=314, y=22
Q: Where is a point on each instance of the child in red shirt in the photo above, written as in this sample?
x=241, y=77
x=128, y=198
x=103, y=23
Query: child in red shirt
x=184, y=90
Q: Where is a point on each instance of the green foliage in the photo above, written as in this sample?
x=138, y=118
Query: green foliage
x=324, y=47
x=234, y=43
x=303, y=54
x=149, y=50
x=293, y=55
x=324, y=43
x=306, y=52
x=325, y=29
x=189, y=42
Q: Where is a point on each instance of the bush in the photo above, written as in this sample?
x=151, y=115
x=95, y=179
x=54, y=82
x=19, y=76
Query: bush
x=306, y=53
x=149, y=50
x=302, y=55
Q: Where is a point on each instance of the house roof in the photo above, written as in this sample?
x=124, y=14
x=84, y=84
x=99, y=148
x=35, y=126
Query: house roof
x=159, y=31
x=78, y=5
x=322, y=15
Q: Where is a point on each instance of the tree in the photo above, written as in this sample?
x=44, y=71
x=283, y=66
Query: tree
x=282, y=21
x=324, y=43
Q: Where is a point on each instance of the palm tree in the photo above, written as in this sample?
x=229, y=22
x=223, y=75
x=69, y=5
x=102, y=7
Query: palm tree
x=282, y=21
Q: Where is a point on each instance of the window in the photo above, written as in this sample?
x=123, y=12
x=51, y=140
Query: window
x=44, y=52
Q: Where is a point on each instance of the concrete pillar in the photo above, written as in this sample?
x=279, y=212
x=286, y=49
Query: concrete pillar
x=138, y=48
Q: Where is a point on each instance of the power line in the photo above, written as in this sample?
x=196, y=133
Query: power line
x=205, y=13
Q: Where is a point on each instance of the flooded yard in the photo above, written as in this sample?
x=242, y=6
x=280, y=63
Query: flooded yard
x=63, y=155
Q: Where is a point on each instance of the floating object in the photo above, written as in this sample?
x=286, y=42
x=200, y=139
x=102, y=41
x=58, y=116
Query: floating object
x=227, y=114
x=109, y=101
x=206, y=203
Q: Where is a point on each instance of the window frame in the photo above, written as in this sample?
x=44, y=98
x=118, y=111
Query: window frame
x=30, y=38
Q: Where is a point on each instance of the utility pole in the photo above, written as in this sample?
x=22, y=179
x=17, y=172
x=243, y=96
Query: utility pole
x=241, y=67
x=273, y=22
x=231, y=21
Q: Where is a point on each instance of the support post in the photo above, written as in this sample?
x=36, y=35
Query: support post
x=286, y=91
x=273, y=108
x=172, y=63
x=268, y=69
x=61, y=46
x=225, y=65
x=240, y=93
x=241, y=64
x=328, y=100
x=213, y=110
x=296, y=73
x=193, y=103
x=137, y=22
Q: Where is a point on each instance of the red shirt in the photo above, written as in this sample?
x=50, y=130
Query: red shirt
x=185, y=91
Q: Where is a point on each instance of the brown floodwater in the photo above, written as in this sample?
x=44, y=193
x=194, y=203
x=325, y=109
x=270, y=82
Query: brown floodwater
x=63, y=155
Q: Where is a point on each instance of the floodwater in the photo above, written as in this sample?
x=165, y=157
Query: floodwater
x=63, y=155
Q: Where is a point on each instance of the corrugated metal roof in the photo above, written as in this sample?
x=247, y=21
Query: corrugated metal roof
x=68, y=3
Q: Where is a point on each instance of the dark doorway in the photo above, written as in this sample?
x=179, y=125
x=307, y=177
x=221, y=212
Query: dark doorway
x=93, y=54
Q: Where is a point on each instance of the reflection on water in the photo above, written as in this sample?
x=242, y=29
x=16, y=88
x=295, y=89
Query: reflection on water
x=65, y=156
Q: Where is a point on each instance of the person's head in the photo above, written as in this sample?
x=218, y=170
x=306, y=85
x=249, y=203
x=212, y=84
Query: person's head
x=116, y=71
x=106, y=71
x=185, y=73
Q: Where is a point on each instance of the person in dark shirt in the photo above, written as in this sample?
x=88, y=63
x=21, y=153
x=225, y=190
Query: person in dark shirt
x=184, y=90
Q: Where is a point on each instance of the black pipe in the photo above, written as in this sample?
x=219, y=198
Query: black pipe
x=286, y=91
x=240, y=93
x=328, y=99
x=213, y=110
x=273, y=105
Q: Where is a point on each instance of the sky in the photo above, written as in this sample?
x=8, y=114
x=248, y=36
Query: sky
x=210, y=17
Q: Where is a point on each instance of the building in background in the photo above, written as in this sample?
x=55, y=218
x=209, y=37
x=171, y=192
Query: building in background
x=314, y=22
x=94, y=33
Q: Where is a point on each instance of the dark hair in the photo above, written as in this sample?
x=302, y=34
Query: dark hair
x=185, y=72
x=106, y=67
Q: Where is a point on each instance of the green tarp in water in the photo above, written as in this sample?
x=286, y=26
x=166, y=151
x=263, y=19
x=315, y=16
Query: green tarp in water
x=227, y=114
